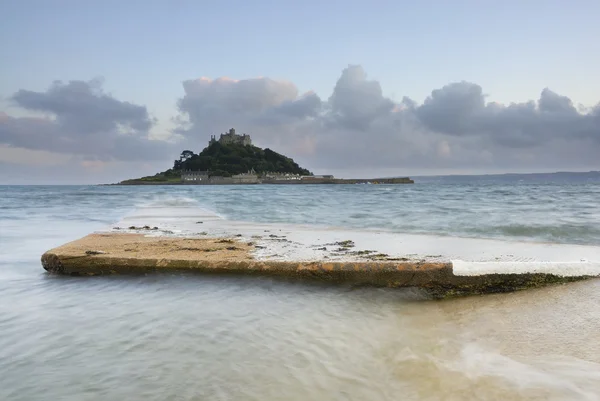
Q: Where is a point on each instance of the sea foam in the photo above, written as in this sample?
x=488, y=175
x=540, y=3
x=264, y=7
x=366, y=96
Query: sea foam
x=294, y=242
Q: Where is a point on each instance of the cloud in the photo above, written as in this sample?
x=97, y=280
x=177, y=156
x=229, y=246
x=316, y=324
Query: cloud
x=455, y=127
x=83, y=107
x=26, y=157
x=460, y=109
x=453, y=109
x=357, y=102
x=308, y=105
x=79, y=118
x=356, y=128
x=213, y=104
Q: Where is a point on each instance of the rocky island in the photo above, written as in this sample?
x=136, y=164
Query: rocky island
x=233, y=159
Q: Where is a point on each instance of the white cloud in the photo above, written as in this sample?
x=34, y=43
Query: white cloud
x=454, y=128
x=357, y=128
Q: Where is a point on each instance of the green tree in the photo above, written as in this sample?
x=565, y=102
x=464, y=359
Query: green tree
x=230, y=159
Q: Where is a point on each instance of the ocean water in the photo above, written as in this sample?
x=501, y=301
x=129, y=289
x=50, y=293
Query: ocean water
x=190, y=337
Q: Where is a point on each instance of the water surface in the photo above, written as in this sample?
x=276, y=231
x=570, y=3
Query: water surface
x=189, y=337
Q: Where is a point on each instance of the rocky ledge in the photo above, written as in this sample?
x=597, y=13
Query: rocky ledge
x=126, y=253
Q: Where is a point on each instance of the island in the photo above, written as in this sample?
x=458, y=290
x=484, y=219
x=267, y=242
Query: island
x=234, y=160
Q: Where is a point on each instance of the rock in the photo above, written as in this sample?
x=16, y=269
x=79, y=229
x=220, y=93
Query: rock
x=132, y=254
x=345, y=244
x=94, y=252
x=365, y=252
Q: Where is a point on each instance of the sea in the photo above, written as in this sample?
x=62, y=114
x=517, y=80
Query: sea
x=194, y=337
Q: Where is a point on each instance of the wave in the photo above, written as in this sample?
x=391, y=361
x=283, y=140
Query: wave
x=170, y=201
x=173, y=210
x=567, y=376
x=562, y=231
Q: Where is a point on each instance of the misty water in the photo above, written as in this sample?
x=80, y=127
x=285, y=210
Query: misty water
x=193, y=337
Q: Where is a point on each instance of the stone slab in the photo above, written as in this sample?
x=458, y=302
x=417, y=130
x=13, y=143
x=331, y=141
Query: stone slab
x=127, y=253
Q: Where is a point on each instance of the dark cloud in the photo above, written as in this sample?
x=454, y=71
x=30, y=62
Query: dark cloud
x=211, y=106
x=357, y=102
x=460, y=109
x=356, y=128
x=554, y=103
x=84, y=107
x=454, y=109
x=306, y=106
x=454, y=127
x=81, y=119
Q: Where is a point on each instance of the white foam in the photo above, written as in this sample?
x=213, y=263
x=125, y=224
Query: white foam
x=564, y=269
x=286, y=242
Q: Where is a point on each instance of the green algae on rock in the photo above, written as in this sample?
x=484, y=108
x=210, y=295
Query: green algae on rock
x=135, y=253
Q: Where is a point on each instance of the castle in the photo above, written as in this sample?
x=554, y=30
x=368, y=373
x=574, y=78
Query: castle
x=232, y=138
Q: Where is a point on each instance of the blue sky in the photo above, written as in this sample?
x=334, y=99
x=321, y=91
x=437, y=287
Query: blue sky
x=145, y=49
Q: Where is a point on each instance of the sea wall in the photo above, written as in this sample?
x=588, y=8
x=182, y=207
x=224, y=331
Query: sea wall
x=403, y=180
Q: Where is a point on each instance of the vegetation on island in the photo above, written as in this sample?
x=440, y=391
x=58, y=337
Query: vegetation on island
x=225, y=160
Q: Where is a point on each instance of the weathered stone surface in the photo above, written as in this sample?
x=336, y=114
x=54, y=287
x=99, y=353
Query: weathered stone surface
x=136, y=253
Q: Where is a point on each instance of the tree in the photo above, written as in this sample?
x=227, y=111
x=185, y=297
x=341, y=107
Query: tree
x=186, y=155
x=228, y=159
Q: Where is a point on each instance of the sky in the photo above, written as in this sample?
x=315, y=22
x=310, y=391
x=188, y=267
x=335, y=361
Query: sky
x=101, y=91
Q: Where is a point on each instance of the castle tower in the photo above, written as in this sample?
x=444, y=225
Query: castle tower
x=246, y=141
x=230, y=137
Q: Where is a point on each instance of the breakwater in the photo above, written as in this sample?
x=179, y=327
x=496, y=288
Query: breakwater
x=183, y=237
x=100, y=254
x=347, y=181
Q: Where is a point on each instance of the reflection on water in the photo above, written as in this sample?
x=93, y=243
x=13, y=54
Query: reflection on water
x=196, y=338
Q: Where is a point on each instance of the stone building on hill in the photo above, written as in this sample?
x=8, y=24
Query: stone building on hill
x=204, y=177
x=194, y=176
x=232, y=138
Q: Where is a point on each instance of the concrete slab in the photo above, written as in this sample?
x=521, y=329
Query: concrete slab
x=125, y=253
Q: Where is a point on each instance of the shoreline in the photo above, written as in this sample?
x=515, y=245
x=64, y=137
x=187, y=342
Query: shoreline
x=312, y=181
x=185, y=237
x=189, y=239
x=122, y=253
